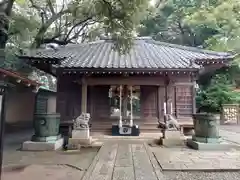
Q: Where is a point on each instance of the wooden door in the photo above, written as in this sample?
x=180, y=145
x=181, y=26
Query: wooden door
x=100, y=101
x=149, y=102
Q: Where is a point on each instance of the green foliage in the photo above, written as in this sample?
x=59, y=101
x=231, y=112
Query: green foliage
x=33, y=23
x=219, y=91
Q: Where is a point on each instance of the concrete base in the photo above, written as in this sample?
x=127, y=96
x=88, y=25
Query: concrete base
x=173, y=134
x=76, y=143
x=172, y=138
x=221, y=146
x=171, y=142
x=81, y=133
x=206, y=140
x=42, y=146
x=45, y=139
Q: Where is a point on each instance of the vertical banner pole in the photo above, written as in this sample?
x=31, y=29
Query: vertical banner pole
x=120, y=108
x=131, y=104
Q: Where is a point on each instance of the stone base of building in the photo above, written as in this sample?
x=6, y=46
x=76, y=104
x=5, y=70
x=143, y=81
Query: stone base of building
x=172, y=138
x=125, y=130
x=42, y=146
x=215, y=146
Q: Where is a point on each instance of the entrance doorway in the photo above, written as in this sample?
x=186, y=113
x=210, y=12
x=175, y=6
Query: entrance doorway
x=125, y=102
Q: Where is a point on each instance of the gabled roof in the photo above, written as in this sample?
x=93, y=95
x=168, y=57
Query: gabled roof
x=146, y=53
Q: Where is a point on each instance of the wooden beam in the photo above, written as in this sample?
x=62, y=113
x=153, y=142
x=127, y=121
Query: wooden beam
x=158, y=81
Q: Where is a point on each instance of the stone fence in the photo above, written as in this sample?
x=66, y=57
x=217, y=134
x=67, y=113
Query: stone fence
x=230, y=114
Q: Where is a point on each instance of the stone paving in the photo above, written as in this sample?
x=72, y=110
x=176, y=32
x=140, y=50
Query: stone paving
x=178, y=175
x=230, y=136
x=46, y=172
x=184, y=159
x=123, y=161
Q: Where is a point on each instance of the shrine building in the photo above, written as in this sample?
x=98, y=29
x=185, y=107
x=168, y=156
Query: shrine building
x=139, y=87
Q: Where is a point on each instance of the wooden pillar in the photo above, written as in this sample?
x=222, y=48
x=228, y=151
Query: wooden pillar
x=84, y=97
x=193, y=98
x=160, y=102
x=166, y=95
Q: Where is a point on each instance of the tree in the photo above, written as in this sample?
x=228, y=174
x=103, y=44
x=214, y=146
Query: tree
x=169, y=22
x=65, y=22
x=5, y=13
x=211, y=96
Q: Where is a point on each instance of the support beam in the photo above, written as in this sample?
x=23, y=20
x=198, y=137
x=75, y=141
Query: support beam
x=84, y=97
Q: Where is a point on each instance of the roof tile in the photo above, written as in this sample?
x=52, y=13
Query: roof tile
x=145, y=53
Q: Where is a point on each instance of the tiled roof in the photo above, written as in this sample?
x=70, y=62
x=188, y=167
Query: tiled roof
x=145, y=53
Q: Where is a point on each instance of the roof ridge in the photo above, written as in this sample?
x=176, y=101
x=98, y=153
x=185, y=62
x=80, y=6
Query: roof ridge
x=189, y=48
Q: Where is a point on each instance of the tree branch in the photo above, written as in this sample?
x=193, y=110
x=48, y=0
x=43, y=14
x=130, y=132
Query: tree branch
x=8, y=9
x=45, y=26
x=41, y=11
x=77, y=24
x=49, y=2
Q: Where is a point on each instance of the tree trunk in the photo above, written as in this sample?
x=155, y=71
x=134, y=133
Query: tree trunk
x=5, y=10
x=3, y=39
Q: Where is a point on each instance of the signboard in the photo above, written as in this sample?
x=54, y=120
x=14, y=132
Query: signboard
x=125, y=130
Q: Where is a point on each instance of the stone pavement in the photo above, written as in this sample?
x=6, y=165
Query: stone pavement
x=123, y=161
x=230, y=133
x=46, y=172
x=184, y=159
x=120, y=159
x=52, y=165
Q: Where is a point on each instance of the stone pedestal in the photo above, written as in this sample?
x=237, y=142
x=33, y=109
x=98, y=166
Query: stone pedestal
x=172, y=138
x=46, y=136
x=42, y=146
x=219, y=145
x=80, y=137
x=207, y=134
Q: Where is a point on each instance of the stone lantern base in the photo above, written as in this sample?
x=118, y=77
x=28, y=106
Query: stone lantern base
x=42, y=146
x=219, y=145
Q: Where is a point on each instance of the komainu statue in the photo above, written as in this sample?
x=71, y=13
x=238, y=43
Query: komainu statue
x=170, y=124
x=82, y=121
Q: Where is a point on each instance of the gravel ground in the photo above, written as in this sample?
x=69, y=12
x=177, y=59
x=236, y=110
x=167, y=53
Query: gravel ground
x=201, y=175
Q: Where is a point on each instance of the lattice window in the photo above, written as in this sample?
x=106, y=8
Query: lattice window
x=183, y=100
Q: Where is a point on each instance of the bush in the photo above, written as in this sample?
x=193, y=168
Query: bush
x=210, y=98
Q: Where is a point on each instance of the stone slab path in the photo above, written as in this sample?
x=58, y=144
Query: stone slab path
x=230, y=136
x=123, y=161
x=184, y=159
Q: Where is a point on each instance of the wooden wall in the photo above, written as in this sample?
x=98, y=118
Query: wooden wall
x=149, y=102
x=99, y=102
x=68, y=98
x=153, y=95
